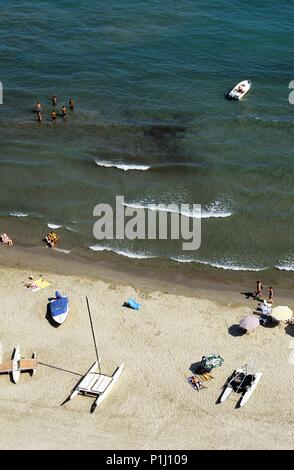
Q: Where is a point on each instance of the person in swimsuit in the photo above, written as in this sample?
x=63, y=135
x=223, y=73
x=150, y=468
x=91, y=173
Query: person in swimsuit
x=39, y=116
x=54, y=100
x=64, y=111
x=38, y=106
x=270, y=295
x=53, y=116
x=71, y=104
x=259, y=288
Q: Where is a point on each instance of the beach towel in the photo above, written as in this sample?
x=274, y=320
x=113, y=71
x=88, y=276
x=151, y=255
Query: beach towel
x=198, y=385
x=40, y=284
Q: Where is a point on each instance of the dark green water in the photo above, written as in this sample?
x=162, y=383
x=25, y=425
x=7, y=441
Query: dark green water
x=151, y=123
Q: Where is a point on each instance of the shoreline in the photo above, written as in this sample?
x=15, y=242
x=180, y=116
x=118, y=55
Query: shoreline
x=165, y=276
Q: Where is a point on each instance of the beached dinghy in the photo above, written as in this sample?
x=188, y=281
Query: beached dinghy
x=59, y=308
x=240, y=90
x=241, y=382
x=17, y=365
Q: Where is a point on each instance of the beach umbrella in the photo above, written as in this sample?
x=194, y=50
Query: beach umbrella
x=249, y=323
x=211, y=361
x=282, y=313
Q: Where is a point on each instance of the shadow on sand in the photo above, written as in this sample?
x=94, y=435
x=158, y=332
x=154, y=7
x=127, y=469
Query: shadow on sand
x=236, y=330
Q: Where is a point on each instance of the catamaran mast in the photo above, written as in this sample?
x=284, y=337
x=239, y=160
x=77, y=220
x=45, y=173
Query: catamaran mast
x=93, y=333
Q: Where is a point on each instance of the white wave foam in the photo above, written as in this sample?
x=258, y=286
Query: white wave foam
x=128, y=254
x=286, y=265
x=18, y=214
x=60, y=250
x=215, y=210
x=53, y=226
x=289, y=267
x=69, y=229
x=183, y=260
x=121, y=166
x=228, y=266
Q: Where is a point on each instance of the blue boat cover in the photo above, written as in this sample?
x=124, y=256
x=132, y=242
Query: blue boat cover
x=58, y=306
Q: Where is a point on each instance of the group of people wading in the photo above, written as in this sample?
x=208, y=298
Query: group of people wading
x=40, y=114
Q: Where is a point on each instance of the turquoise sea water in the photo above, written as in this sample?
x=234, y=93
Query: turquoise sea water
x=151, y=122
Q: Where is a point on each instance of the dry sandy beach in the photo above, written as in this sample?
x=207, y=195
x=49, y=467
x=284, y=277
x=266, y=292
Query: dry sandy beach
x=152, y=406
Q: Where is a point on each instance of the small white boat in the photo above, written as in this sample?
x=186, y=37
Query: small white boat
x=240, y=90
x=241, y=382
x=59, y=308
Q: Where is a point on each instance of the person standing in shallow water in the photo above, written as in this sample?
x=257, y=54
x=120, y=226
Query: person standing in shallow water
x=64, y=111
x=71, y=104
x=53, y=115
x=39, y=116
x=38, y=106
x=54, y=100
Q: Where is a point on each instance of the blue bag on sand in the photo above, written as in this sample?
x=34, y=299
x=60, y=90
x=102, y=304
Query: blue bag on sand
x=133, y=304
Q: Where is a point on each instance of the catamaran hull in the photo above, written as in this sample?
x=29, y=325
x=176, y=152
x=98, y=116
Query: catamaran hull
x=249, y=392
x=16, y=356
x=228, y=388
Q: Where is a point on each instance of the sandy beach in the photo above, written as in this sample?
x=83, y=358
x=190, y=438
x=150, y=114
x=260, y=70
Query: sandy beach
x=152, y=406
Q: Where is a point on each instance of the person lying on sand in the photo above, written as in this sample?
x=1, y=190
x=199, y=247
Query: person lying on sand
x=6, y=240
x=52, y=239
x=196, y=382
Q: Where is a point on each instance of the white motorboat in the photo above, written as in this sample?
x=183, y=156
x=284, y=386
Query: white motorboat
x=240, y=90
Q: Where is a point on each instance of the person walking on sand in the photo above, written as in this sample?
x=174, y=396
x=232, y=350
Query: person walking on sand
x=53, y=115
x=54, y=100
x=64, y=111
x=258, y=294
x=71, y=104
x=270, y=295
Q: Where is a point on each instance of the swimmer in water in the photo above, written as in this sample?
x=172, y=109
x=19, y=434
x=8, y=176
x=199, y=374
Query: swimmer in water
x=54, y=100
x=71, y=104
x=64, y=111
